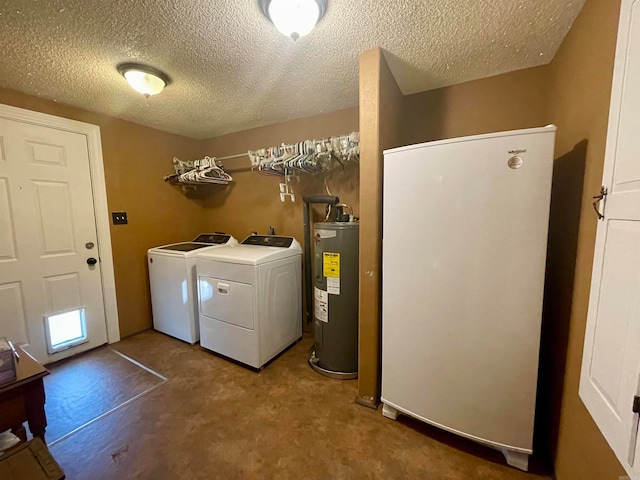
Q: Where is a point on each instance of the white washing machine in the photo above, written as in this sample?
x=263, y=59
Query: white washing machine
x=250, y=298
x=172, y=280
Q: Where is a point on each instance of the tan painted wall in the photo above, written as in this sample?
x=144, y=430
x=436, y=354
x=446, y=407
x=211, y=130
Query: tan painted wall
x=380, y=125
x=504, y=102
x=252, y=201
x=580, y=86
x=135, y=159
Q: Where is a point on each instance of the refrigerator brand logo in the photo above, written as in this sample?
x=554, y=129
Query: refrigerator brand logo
x=514, y=162
x=517, y=152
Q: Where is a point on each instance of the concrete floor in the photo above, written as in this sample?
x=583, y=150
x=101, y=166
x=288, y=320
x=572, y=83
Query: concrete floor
x=215, y=419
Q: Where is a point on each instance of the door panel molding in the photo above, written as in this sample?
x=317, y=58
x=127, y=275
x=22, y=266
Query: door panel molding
x=96, y=165
x=609, y=379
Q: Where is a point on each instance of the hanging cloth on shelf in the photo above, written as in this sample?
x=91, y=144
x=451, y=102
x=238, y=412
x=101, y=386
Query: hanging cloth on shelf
x=310, y=156
x=197, y=172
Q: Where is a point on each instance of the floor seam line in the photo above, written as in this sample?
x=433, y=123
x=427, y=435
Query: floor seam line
x=135, y=362
x=123, y=404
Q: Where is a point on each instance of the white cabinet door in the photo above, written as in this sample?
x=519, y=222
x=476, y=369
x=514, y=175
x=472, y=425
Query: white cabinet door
x=47, y=234
x=611, y=359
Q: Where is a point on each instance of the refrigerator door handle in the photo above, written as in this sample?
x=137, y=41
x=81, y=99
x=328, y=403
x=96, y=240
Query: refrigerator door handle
x=597, y=199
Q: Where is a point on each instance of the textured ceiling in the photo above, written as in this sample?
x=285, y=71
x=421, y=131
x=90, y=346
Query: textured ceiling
x=232, y=70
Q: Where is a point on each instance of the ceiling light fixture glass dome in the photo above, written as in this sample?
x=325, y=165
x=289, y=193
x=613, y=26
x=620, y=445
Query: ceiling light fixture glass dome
x=294, y=18
x=146, y=80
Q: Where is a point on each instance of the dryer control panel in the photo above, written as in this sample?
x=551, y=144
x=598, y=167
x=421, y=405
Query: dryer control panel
x=268, y=241
x=212, y=238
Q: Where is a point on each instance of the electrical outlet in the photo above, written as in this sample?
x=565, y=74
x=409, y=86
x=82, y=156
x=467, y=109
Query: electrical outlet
x=119, y=218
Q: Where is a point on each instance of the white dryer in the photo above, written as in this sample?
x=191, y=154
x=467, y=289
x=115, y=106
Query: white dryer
x=250, y=298
x=172, y=281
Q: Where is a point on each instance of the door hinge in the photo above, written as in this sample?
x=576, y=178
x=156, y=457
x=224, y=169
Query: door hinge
x=636, y=404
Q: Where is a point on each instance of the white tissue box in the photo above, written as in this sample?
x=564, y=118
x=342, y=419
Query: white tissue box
x=7, y=362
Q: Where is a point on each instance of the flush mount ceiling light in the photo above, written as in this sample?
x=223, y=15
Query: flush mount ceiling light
x=146, y=80
x=294, y=18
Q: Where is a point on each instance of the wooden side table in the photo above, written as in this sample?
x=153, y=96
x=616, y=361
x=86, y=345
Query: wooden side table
x=23, y=399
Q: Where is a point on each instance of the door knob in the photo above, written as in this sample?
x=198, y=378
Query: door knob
x=91, y=261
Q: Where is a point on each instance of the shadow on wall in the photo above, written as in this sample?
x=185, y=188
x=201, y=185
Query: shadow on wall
x=564, y=221
x=417, y=125
x=208, y=194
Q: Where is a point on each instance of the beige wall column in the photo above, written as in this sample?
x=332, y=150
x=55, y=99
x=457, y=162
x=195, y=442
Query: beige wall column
x=380, y=107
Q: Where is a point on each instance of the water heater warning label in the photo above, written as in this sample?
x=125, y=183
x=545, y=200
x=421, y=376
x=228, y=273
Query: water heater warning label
x=331, y=264
x=321, y=305
x=333, y=286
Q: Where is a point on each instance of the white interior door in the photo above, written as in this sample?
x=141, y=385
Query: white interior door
x=50, y=296
x=611, y=359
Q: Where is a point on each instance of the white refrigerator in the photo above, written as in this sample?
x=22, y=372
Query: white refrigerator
x=464, y=247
